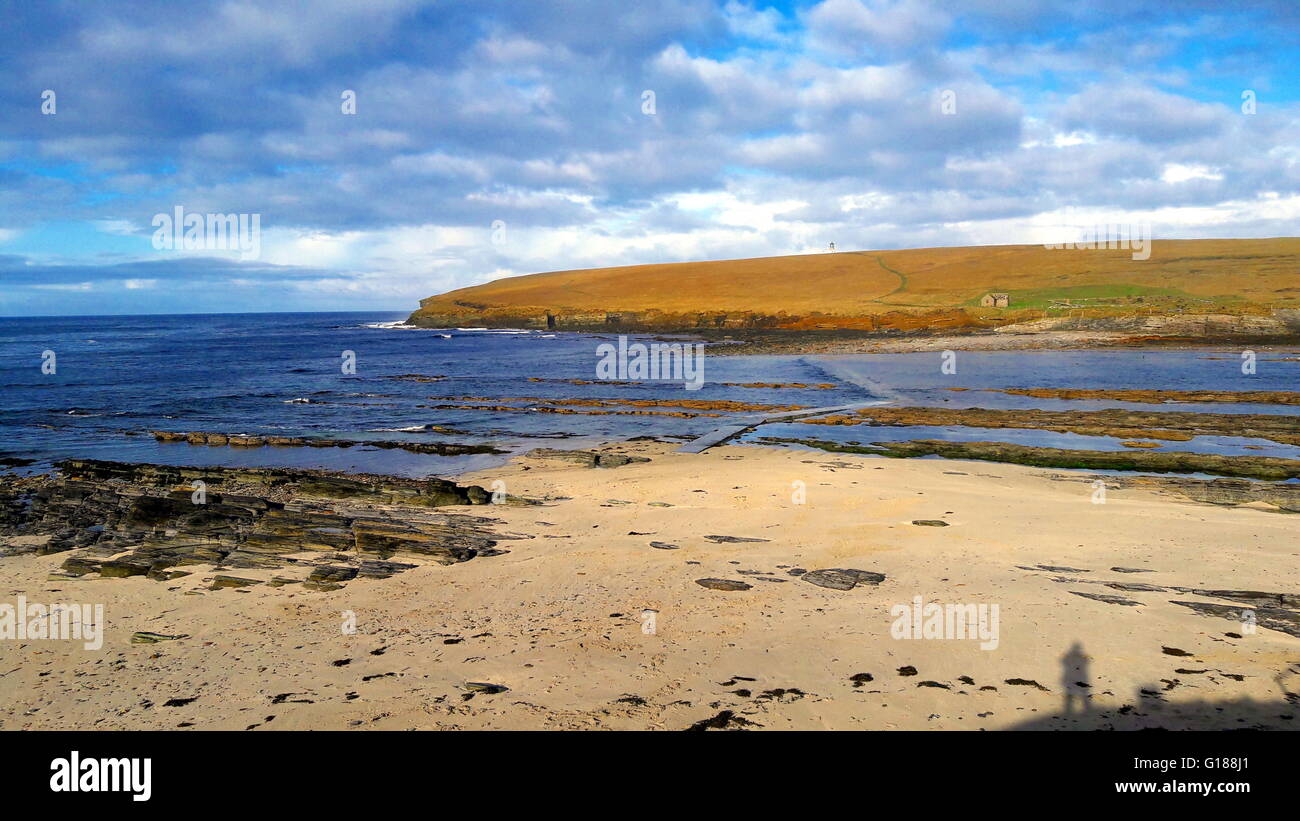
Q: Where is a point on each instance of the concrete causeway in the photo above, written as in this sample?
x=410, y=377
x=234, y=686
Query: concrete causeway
x=725, y=433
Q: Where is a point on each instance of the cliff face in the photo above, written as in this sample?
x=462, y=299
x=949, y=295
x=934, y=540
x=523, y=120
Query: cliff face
x=439, y=315
x=918, y=289
x=436, y=315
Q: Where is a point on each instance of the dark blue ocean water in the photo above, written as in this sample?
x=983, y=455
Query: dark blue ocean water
x=117, y=377
x=247, y=373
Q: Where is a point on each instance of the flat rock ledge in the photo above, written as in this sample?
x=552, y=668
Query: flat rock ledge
x=239, y=440
x=584, y=458
x=119, y=520
x=843, y=578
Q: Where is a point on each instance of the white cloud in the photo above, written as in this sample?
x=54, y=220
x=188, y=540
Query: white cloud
x=1180, y=172
x=846, y=26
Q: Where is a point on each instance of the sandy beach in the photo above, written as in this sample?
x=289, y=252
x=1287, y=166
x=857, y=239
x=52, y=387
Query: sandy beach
x=584, y=624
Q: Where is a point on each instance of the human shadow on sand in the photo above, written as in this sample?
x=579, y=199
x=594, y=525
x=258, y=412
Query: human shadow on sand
x=1150, y=708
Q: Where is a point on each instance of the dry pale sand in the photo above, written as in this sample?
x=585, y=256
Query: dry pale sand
x=559, y=619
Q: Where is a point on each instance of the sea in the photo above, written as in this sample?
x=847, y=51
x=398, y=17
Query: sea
x=94, y=387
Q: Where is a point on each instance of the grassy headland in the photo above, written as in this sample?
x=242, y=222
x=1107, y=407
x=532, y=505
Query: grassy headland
x=1186, y=289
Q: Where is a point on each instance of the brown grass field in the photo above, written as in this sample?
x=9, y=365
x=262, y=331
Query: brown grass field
x=1228, y=275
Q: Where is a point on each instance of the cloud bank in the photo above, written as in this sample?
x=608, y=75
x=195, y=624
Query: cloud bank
x=498, y=138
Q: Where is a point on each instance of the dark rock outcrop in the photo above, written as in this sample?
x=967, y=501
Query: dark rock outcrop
x=1157, y=396
x=723, y=584
x=1269, y=468
x=584, y=458
x=1124, y=423
x=235, y=440
x=128, y=520
x=842, y=578
x=1274, y=618
x=1284, y=496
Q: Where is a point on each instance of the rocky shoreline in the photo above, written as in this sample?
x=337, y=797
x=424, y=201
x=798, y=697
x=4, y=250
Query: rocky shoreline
x=118, y=520
x=1267, y=468
x=239, y=440
x=124, y=519
x=1264, y=496
x=1155, y=397
x=1166, y=426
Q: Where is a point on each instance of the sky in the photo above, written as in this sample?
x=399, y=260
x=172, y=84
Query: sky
x=389, y=150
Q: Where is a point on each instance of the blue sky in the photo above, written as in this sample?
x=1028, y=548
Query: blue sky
x=500, y=138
